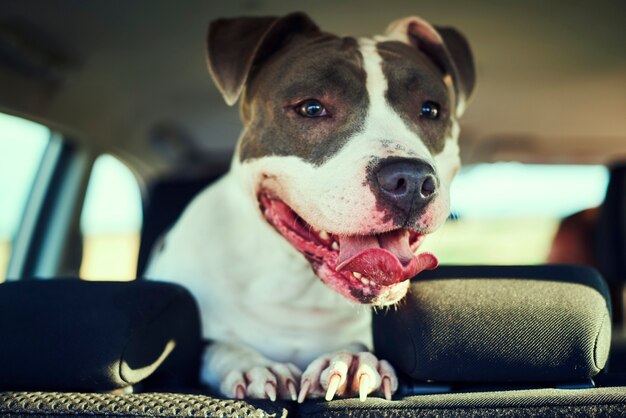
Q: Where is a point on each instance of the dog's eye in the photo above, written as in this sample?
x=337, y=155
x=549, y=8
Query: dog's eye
x=311, y=108
x=430, y=110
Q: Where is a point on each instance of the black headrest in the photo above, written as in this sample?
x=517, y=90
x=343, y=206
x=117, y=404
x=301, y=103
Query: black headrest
x=499, y=324
x=94, y=336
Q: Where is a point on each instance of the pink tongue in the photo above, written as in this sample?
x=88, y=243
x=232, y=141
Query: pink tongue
x=384, y=258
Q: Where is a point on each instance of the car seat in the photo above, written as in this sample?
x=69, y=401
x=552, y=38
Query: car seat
x=487, y=341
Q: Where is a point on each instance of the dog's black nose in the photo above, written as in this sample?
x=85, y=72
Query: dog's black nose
x=407, y=184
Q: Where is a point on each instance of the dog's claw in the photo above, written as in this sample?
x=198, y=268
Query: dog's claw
x=364, y=387
x=304, y=390
x=387, y=388
x=270, y=391
x=346, y=374
x=333, y=385
x=240, y=391
x=275, y=381
x=291, y=387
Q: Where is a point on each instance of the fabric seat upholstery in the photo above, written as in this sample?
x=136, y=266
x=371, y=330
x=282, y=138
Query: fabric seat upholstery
x=97, y=336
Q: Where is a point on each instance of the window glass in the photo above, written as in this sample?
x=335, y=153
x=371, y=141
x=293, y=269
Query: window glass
x=508, y=213
x=111, y=222
x=22, y=145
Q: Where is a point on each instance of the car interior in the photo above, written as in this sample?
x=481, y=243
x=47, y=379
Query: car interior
x=110, y=125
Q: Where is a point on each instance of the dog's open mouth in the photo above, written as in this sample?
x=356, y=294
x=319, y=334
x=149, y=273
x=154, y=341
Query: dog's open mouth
x=364, y=268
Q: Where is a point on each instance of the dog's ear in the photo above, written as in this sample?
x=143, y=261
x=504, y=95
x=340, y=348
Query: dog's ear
x=235, y=45
x=446, y=47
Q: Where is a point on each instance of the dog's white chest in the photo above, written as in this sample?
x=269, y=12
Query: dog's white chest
x=289, y=323
x=251, y=286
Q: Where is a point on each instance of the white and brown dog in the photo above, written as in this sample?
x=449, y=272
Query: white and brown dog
x=344, y=165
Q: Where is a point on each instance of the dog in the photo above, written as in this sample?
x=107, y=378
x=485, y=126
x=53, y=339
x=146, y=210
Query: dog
x=343, y=167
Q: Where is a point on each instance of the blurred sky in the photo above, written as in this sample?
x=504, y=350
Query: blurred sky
x=514, y=190
x=113, y=203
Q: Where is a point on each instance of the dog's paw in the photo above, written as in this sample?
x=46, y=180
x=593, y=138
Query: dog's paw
x=348, y=375
x=277, y=380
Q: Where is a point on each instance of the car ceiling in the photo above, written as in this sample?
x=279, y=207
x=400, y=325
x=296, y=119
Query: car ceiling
x=130, y=78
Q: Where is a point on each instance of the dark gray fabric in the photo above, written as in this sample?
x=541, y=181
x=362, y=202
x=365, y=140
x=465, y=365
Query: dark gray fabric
x=573, y=274
x=528, y=403
x=533, y=403
x=88, y=336
x=35, y=404
x=498, y=328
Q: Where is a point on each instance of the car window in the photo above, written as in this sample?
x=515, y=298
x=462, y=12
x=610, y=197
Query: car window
x=110, y=222
x=22, y=146
x=508, y=213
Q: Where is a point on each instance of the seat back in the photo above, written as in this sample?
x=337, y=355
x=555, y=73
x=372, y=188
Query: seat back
x=611, y=239
x=68, y=334
x=499, y=324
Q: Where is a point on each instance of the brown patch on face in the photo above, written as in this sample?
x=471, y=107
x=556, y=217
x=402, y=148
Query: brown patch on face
x=326, y=68
x=412, y=80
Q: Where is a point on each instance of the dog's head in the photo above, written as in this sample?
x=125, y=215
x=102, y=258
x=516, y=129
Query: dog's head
x=349, y=145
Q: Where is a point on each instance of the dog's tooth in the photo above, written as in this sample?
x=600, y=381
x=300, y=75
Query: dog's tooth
x=365, y=281
x=335, y=246
x=357, y=274
x=324, y=235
